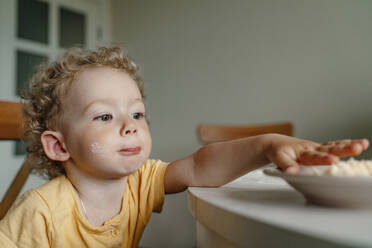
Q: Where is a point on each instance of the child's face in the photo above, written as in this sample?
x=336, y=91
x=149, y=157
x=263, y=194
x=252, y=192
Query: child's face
x=103, y=125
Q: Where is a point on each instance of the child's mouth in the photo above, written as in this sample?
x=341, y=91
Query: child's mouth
x=131, y=150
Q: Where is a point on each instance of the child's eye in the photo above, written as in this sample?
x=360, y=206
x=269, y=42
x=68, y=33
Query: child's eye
x=105, y=117
x=138, y=115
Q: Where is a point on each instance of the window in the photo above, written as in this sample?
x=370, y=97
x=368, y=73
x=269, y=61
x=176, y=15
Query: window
x=32, y=31
x=44, y=29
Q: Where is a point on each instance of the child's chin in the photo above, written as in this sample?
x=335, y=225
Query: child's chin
x=134, y=166
x=120, y=174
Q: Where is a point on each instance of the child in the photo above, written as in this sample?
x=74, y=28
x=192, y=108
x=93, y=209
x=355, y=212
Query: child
x=87, y=132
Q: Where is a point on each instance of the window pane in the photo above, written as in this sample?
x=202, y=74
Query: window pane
x=19, y=148
x=33, y=20
x=26, y=63
x=71, y=28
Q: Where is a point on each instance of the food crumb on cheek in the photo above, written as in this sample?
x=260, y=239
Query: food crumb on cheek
x=95, y=147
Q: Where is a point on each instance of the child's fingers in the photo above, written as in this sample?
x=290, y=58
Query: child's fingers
x=293, y=170
x=317, y=158
x=344, y=147
x=286, y=163
x=364, y=143
x=337, y=142
x=342, y=150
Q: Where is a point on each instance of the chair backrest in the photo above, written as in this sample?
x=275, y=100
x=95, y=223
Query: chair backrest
x=11, y=128
x=215, y=133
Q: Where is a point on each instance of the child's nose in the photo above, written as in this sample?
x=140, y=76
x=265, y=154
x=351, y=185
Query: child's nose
x=130, y=131
x=128, y=128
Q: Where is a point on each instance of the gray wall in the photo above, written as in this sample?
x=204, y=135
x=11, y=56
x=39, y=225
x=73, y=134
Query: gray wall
x=246, y=62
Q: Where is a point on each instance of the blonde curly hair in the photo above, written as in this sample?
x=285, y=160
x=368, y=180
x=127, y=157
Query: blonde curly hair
x=50, y=83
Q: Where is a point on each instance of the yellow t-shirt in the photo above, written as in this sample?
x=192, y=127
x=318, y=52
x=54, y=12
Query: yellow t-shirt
x=50, y=216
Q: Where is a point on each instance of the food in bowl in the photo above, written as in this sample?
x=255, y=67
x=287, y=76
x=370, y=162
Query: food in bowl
x=351, y=167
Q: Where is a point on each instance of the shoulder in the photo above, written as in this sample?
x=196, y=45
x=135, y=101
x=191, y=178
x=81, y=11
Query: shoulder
x=150, y=169
x=28, y=221
x=26, y=207
x=30, y=201
x=54, y=185
x=56, y=193
x=152, y=165
x=152, y=172
x=41, y=199
x=146, y=187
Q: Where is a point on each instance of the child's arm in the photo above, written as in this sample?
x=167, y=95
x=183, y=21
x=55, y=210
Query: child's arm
x=219, y=163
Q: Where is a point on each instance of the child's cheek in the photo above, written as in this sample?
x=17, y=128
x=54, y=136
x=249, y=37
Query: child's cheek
x=98, y=150
x=95, y=147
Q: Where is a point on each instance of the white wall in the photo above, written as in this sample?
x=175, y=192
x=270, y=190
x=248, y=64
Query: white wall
x=246, y=62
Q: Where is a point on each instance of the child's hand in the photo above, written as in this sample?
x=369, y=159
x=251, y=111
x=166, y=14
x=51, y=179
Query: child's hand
x=288, y=152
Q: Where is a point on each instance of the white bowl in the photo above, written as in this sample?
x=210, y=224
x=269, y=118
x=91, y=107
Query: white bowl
x=335, y=191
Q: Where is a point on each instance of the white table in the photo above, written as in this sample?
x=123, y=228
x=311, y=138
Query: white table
x=261, y=211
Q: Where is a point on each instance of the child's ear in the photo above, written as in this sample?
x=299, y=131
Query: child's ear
x=54, y=146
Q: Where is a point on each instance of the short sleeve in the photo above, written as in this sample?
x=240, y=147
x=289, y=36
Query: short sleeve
x=152, y=186
x=27, y=223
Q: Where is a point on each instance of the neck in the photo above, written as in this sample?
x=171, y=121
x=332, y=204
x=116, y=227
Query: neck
x=100, y=199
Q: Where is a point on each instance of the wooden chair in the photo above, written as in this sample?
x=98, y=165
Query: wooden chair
x=215, y=133
x=11, y=123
